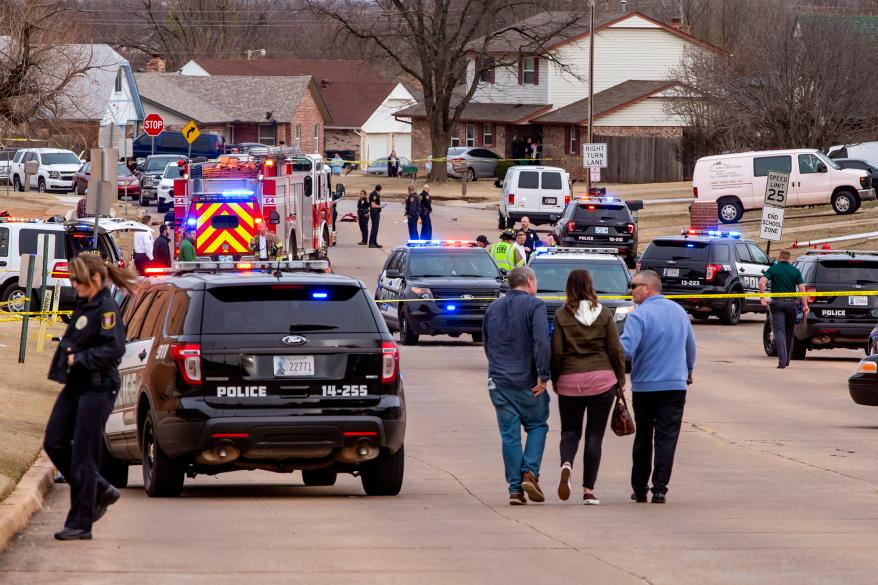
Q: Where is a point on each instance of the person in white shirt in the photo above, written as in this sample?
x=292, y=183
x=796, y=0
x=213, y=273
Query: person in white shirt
x=143, y=243
x=520, y=239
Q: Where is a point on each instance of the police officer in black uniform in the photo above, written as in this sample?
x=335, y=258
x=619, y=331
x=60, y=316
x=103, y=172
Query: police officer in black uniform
x=426, y=211
x=363, y=217
x=375, y=216
x=413, y=212
x=87, y=363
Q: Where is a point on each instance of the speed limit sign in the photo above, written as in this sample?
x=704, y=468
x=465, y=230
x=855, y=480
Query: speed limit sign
x=776, y=189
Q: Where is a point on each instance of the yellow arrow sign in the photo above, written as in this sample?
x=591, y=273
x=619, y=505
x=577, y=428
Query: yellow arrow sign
x=191, y=132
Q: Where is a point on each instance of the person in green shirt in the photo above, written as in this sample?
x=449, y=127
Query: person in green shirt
x=187, y=248
x=784, y=278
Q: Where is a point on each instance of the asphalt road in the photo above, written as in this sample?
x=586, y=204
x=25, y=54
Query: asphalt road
x=775, y=482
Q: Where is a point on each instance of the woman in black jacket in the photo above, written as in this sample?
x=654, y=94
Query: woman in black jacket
x=87, y=363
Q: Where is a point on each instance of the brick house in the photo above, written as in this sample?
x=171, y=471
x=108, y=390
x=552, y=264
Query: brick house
x=635, y=56
x=361, y=102
x=269, y=110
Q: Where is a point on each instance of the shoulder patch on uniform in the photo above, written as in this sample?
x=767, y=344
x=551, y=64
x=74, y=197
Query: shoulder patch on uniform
x=108, y=320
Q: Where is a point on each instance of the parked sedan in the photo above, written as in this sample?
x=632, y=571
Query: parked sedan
x=859, y=164
x=379, y=167
x=863, y=385
x=127, y=182
x=480, y=162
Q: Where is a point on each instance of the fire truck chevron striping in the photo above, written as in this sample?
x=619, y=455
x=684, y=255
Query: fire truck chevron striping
x=226, y=200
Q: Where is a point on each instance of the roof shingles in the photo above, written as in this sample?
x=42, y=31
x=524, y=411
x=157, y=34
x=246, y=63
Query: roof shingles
x=606, y=101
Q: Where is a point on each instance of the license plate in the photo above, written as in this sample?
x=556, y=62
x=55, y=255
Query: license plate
x=672, y=272
x=293, y=366
x=601, y=230
x=550, y=201
x=858, y=301
x=226, y=258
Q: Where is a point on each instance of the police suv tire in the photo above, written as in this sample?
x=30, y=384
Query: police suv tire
x=383, y=476
x=477, y=337
x=407, y=335
x=162, y=476
x=113, y=470
x=729, y=210
x=768, y=338
x=319, y=477
x=845, y=202
x=16, y=184
x=41, y=185
x=799, y=349
x=731, y=313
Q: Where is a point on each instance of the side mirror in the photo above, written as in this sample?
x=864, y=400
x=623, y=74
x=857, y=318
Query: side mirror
x=498, y=184
x=309, y=186
x=392, y=273
x=339, y=191
x=635, y=204
x=139, y=168
x=821, y=168
x=274, y=218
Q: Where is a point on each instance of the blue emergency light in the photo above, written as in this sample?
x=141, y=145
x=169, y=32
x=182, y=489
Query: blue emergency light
x=190, y=221
x=237, y=193
x=450, y=308
x=319, y=295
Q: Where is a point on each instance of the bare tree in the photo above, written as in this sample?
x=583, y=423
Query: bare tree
x=36, y=70
x=432, y=41
x=793, y=84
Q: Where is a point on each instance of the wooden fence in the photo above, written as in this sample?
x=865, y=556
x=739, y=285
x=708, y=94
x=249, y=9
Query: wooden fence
x=643, y=159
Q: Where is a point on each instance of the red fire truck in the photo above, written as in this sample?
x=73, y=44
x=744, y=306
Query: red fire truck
x=226, y=200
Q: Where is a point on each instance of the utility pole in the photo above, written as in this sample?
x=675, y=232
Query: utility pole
x=590, y=80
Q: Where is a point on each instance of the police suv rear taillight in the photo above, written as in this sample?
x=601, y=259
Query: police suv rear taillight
x=571, y=226
x=712, y=271
x=60, y=270
x=389, y=361
x=188, y=358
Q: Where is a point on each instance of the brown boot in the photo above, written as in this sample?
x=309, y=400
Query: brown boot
x=531, y=486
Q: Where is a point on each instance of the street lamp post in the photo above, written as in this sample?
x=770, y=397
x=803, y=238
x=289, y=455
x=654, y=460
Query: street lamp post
x=590, y=80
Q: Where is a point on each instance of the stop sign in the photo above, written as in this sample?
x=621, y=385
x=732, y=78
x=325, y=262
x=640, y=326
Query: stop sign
x=153, y=125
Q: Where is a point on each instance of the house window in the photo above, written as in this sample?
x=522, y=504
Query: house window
x=455, y=141
x=488, y=135
x=118, y=86
x=486, y=71
x=316, y=137
x=528, y=73
x=573, y=146
x=470, y=134
x=267, y=134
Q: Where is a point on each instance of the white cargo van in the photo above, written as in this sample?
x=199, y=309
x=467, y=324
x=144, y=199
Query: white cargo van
x=867, y=151
x=737, y=181
x=540, y=193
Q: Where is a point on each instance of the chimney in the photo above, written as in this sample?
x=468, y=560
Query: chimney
x=677, y=22
x=624, y=5
x=156, y=64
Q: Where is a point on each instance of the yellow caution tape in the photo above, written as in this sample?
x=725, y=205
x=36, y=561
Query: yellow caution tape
x=750, y=295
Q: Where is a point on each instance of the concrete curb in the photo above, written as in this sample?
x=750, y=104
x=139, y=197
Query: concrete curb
x=26, y=499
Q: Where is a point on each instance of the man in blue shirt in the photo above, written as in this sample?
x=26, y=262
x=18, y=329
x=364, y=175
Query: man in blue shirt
x=516, y=337
x=660, y=343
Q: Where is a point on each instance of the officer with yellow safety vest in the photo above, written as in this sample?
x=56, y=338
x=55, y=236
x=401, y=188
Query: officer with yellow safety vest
x=505, y=253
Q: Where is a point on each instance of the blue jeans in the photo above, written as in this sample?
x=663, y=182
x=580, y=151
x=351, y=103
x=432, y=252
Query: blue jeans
x=516, y=409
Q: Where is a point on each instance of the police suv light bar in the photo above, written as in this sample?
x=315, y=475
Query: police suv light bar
x=7, y=219
x=711, y=233
x=579, y=250
x=848, y=252
x=441, y=243
x=241, y=266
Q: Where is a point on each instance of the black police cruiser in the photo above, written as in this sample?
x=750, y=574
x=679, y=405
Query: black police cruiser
x=608, y=272
x=600, y=222
x=445, y=288
x=269, y=368
x=844, y=320
x=709, y=262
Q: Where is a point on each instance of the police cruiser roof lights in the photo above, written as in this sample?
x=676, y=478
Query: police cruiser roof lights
x=850, y=253
x=563, y=250
x=242, y=266
x=441, y=244
x=711, y=233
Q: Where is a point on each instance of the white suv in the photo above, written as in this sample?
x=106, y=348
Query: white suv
x=55, y=169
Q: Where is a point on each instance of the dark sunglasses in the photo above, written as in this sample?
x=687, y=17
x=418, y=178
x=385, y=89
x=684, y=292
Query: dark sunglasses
x=634, y=285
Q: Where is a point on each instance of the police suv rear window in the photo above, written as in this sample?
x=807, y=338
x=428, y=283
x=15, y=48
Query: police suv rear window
x=678, y=250
x=600, y=211
x=847, y=272
x=287, y=308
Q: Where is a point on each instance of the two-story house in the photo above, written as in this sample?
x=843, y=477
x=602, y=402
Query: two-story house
x=545, y=98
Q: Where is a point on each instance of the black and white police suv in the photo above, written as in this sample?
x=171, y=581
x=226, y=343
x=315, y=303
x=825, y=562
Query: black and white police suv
x=709, y=262
x=609, y=275
x=844, y=320
x=437, y=287
x=600, y=222
x=256, y=365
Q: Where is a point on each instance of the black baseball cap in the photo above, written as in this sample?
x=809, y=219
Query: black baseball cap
x=483, y=239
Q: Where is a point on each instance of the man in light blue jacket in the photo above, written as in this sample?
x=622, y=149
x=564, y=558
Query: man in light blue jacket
x=660, y=343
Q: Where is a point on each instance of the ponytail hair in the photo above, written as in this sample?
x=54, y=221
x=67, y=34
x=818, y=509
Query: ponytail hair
x=85, y=266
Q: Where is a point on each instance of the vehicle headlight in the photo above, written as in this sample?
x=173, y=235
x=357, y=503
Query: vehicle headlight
x=622, y=312
x=54, y=175
x=423, y=292
x=867, y=367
